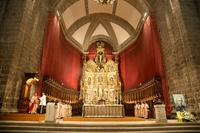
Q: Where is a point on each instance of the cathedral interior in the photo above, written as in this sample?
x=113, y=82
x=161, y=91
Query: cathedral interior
x=87, y=53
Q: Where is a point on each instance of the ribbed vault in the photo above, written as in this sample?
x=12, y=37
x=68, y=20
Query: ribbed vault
x=84, y=21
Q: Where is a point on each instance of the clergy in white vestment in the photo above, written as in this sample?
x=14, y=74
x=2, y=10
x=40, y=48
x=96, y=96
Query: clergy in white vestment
x=136, y=109
x=42, y=103
x=62, y=110
x=70, y=110
x=59, y=109
x=67, y=110
x=146, y=109
x=142, y=110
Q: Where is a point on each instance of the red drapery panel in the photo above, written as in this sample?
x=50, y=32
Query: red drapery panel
x=143, y=59
x=59, y=58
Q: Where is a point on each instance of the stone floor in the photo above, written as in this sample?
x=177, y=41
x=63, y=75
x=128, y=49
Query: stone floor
x=60, y=121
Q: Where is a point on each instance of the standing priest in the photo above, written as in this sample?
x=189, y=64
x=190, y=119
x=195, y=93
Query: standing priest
x=42, y=103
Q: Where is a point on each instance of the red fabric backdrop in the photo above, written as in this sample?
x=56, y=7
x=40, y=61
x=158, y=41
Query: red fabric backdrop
x=143, y=59
x=59, y=58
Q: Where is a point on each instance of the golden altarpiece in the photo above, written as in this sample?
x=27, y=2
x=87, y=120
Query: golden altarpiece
x=100, y=88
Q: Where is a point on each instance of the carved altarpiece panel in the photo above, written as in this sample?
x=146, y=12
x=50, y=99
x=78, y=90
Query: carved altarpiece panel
x=100, y=83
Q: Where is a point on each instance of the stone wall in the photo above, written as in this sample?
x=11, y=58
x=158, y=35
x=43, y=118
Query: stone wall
x=21, y=38
x=178, y=23
x=191, y=21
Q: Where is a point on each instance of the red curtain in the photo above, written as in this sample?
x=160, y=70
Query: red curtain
x=143, y=59
x=59, y=58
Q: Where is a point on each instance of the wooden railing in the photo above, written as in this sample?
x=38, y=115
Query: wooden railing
x=146, y=91
x=56, y=90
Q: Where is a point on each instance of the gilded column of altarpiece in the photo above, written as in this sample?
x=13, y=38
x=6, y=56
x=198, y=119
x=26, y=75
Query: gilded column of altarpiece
x=100, y=84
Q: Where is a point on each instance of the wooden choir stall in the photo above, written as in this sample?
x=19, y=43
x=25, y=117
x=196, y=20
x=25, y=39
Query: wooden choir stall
x=148, y=92
x=57, y=92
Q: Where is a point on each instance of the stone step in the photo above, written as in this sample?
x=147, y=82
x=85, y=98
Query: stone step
x=91, y=127
x=120, y=119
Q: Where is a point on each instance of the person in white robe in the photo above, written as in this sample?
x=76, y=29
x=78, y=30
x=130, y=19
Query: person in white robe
x=42, y=103
x=59, y=109
x=142, y=109
x=146, y=109
x=136, y=109
x=66, y=110
x=70, y=110
x=62, y=110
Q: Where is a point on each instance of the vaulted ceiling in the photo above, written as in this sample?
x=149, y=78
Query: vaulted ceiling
x=85, y=21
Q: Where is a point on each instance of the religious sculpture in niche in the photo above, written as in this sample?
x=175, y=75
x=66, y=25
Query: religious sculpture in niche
x=100, y=79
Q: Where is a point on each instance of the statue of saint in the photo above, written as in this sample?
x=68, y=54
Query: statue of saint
x=100, y=57
x=100, y=79
x=111, y=81
x=100, y=91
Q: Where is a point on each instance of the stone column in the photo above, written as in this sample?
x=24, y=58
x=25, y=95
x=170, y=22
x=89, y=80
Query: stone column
x=160, y=113
x=22, y=37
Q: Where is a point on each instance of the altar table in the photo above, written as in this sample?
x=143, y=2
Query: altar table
x=103, y=111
